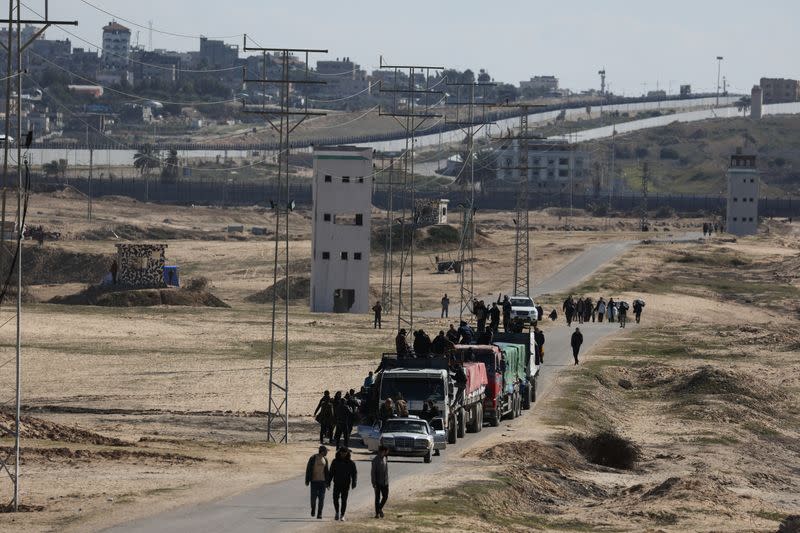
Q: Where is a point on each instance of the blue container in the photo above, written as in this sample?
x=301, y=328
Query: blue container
x=171, y=277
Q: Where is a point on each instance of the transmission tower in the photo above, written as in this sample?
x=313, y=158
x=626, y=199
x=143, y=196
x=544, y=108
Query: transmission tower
x=522, y=242
x=283, y=118
x=13, y=48
x=387, y=282
x=470, y=117
x=643, y=224
x=410, y=104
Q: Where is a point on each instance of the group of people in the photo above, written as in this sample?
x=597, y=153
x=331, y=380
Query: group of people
x=337, y=416
x=343, y=475
x=586, y=310
x=443, y=343
x=711, y=227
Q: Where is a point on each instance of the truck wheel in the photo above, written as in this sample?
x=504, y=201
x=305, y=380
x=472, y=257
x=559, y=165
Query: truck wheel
x=462, y=423
x=479, y=423
x=533, y=388
x=494, y=420
x=473, y=419
x=519, y=404
x=526, y=398
x=451, y=430
x=513, y=412
x=427, y=457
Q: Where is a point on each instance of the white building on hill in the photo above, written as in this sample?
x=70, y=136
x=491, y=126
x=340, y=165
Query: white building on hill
x=743, y=187
x=342, y=192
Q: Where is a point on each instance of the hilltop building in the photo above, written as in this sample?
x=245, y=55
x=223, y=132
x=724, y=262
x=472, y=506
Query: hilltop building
x=756, y=101
x=743, y=188
x=540, y=85
x=342, y=196
x=116, y=46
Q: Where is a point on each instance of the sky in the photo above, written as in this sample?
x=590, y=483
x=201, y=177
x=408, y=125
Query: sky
x=642, y=44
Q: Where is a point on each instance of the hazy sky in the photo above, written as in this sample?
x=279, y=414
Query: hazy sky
x=669, y=42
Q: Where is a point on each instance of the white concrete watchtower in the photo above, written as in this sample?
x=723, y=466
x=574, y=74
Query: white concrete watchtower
x=743, y=188
x=342, y=192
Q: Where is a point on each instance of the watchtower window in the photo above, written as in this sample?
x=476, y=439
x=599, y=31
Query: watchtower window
x=344, y=256
x=357, y=256
x=326, y=255
x=345, y=179
x=328, y=178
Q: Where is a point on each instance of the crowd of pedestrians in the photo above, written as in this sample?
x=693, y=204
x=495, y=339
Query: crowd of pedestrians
x=586, y=310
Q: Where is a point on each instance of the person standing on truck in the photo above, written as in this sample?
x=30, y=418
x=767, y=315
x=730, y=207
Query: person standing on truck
x=401, y=344
x=344, y=475
x=452, y=334
x=386, y=411
x=429, y=410
x=460, y=379
x=576, y=341
x=380, y=479
x=479, y=310
x=401, y=406
x=506, y=312
x=378, y=310
x=601, y=309
x=442, y=345
x=465, y=333
x=538, y=337
x=317, y=473
x=445, y=306
x=494, y=317
x=422, y=343
x=369, y=380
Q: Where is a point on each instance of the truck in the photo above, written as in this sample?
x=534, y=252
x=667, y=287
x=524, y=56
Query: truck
x=524, y=338
x=418, y=380
x=505, y=372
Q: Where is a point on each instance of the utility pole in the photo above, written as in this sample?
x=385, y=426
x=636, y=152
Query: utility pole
x=719, y=70
x=470, y=117
x=16, y=49
x=387, y=281
x=283, y=118
x=522, y=244
x=89, y=195
x=410, y=106
x=602, y=73
x=643, y=224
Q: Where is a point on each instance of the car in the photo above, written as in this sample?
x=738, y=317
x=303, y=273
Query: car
x=523, y=309
x=407, y=436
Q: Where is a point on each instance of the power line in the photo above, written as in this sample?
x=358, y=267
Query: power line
x=150, y=28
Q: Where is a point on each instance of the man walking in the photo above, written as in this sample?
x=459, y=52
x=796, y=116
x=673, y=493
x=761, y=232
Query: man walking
x=445, y=306
x=538, y=336
x=638, y=307
x=601, y=309
x=317, y=473
x=380, y=479
x=576, y=341
x=377, y=309
x=343, y=474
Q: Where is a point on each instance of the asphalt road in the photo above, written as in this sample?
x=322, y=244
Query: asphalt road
x=284, y=506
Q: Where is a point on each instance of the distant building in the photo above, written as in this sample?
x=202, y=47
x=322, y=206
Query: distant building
x=743, y=188
x=540, y=84
x=780, y=90
x=217, y=54
x=552, y=165
x=116, y=46
x=342, y=192
x=686, y=90
x=159, y=65
x=342, y=78
x=756, y=101
x=660, y=93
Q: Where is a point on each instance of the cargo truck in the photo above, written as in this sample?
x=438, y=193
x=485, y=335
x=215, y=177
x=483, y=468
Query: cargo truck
x=529, y=384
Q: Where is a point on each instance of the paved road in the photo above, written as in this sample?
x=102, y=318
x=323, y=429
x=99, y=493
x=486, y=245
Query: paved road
x=284, y=506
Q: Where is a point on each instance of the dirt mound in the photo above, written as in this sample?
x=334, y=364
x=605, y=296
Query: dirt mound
x=299, y=288
x=51, y=264
x=68, y=193
x=708, y=380
x=96, y=295
x=37, y=428
x=607, y=448
x=133, y=232
x=533, y=453
x=134, y=456
x=694, y=489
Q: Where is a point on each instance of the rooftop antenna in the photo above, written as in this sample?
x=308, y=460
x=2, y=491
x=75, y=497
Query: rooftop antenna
x=602, y=73
x=149, y=35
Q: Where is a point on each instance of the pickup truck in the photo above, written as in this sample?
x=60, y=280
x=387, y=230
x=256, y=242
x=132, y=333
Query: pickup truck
x=523, y=310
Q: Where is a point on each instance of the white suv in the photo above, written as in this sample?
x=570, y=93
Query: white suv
x=524, y=309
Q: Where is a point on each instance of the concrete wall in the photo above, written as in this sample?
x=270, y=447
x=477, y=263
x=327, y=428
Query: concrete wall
x=342, y=204
x=742, y=202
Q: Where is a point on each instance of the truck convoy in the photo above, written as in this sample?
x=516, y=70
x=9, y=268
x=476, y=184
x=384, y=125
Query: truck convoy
x=500, y=382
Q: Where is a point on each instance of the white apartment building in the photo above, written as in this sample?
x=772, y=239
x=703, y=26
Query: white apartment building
x=743, y=188
x=116, y=45
x=342, y=193
x=552, y=165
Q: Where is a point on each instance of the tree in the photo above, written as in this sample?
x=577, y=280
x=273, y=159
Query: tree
x=146, y=159
x=170, y=171
x=483, y=76
x=55, y=168
x=743, y=104
x=506, y=93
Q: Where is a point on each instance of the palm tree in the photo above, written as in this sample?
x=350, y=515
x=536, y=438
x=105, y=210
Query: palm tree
x=145, y=160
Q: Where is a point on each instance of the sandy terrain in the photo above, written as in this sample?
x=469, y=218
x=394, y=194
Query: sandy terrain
x=184, y=389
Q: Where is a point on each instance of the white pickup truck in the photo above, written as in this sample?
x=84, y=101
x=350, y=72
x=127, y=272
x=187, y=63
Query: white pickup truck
x=523, y=309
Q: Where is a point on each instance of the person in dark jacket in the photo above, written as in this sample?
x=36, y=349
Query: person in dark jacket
x=324, y=414
x=580, y=309
x=386, y=411
x=378, y=310
x=317, y=473
x=506, y=312
x=569, y=308
x=494, y=317
x=460, y=379
x=344, y=417
x=441, y=344
x=445, y=306
x=422, y=343
x=539, y=312
x=401, y=344
x=576, y=341
x=452, y=334
x=380, y=479
x=638, y=307
x=344, y=476
x=553, y=315
x=465, y=333
x=538, y=336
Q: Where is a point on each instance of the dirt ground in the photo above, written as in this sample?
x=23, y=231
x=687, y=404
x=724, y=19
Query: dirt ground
x=706, y=389
x=183, y=389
